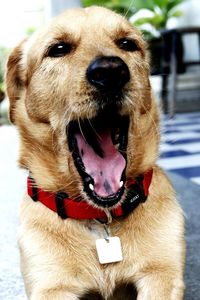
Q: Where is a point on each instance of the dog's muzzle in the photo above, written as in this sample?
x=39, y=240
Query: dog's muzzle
x=99, y=144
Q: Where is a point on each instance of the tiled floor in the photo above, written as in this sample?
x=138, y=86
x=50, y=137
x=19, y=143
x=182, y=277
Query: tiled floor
x=180, y=146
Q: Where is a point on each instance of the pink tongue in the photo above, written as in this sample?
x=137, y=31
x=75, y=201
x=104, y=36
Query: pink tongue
x=107, y=171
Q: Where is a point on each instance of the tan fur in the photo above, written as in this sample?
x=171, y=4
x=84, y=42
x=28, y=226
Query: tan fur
x=58, y=258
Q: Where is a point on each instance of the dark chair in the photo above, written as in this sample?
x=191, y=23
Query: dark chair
x=172, y=63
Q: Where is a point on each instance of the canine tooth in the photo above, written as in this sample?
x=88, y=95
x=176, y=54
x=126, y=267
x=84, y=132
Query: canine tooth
x=121, y=184
x=91, y=186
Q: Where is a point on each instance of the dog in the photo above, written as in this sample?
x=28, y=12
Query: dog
x=100, y=219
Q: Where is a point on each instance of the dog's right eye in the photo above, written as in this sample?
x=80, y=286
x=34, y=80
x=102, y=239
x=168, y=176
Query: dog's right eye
x=60, y=49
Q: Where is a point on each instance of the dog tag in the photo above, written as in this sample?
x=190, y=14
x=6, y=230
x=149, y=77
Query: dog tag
x=109, y=250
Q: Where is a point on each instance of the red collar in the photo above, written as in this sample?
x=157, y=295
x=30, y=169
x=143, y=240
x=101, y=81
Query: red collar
x=137, y=192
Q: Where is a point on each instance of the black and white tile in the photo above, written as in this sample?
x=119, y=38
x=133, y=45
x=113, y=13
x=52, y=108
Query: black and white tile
x=180, y=145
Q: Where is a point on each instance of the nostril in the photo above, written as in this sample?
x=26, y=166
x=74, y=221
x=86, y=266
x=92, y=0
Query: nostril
x=108, y=73
x=98, y=75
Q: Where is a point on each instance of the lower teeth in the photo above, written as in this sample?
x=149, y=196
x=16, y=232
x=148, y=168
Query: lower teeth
x=91, y=186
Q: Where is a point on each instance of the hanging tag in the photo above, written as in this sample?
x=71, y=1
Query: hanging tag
x=109, y=250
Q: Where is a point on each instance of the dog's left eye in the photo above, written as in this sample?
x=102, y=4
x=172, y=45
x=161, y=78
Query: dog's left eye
x=59, y=49
x=127, y=44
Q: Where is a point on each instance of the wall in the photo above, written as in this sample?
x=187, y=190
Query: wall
x=55, y=7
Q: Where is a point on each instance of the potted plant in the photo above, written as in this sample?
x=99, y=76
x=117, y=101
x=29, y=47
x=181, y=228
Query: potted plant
x=3, y=58
x=124, y=7
x=152, y=17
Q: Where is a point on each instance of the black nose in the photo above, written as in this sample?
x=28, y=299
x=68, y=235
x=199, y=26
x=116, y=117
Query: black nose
x=108, y=73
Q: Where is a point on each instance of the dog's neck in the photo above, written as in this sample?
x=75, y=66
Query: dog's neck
x=137, y=192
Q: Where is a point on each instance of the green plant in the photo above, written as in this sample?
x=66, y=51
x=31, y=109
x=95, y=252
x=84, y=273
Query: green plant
x=159, y=12
x=30, y=30
x=124, y=7
x=3, y=58
x=2, y=87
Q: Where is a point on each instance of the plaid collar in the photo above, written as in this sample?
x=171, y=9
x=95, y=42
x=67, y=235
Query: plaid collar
x=137, y=192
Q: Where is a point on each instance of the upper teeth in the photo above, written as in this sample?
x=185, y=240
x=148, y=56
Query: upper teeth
x=91, y=186
x=121, y=184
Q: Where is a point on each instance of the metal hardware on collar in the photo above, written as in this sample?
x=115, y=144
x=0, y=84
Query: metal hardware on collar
x=137, y=191
x=107, y=231
x=109, y=216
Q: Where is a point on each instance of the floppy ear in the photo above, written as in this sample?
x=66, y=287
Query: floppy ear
x=15, y=79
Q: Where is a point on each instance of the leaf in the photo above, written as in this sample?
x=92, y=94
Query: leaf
x=110, y=3
x=164, y=5
x=2, y=87
x=156, y=21
x=176, y=14
x=161, y=3
x=92, y=2
x=126, y=6
x=141, y=4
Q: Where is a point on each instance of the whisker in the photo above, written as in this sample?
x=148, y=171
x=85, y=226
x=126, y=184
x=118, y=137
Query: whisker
x=94, y=130
x=79, y=125
x=129, y=9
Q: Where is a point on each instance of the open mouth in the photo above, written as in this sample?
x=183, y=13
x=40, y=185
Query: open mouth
x=98, y=149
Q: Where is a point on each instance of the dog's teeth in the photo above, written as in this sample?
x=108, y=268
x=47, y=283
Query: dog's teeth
x=91, y=187
x=121, y=184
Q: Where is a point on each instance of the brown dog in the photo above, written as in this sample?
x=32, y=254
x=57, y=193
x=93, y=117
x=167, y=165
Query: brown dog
x=80, y=96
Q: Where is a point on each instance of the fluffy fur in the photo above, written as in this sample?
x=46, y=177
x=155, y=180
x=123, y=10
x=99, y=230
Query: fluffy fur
x=58, y=257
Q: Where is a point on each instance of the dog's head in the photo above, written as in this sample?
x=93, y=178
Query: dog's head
x=80, y=95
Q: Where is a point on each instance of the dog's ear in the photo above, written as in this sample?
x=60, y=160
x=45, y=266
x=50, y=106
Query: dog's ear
x=15, y=78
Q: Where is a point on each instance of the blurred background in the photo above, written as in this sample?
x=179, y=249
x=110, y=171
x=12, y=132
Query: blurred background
x=172, y=31
x=171, y=28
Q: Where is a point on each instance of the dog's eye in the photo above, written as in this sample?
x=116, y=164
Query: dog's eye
x=127, y=44
x=59, y=49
